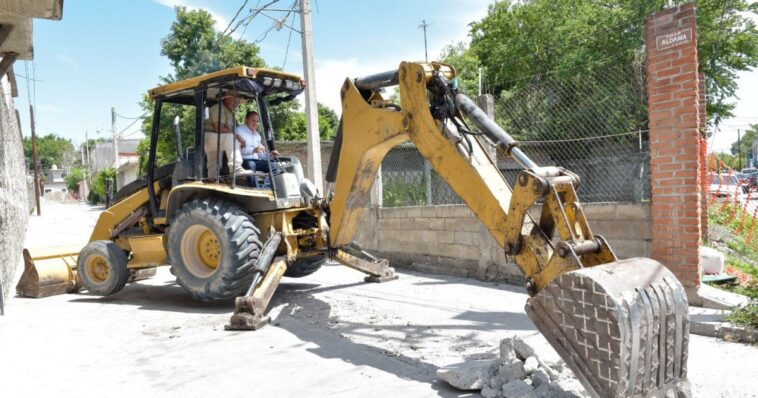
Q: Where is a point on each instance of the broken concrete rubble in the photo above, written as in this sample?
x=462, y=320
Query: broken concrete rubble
x=518, y=372
x=470, y=375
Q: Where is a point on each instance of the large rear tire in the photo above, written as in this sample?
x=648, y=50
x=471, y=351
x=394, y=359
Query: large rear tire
x=212, y=247
x=102, y=267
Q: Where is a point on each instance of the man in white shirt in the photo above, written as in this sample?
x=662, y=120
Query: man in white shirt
x=253, y=151
x=219, y=134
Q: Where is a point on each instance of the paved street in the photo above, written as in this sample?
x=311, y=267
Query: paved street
x=332, y=335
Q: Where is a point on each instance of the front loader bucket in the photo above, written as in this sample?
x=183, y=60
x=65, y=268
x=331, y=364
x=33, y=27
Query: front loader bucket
x=49, y=271
x=622, y=327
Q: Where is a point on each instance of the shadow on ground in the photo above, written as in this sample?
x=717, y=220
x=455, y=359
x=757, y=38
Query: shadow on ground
x=311, y=320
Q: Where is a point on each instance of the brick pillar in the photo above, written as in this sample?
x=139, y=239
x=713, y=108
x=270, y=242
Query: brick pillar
x=674, y=121
x=703, y=162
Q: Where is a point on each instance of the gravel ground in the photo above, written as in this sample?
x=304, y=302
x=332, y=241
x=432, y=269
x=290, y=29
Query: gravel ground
x=331, y=335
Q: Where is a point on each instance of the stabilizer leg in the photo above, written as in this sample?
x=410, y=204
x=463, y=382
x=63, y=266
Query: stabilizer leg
x=378, y=270
x=249, y=312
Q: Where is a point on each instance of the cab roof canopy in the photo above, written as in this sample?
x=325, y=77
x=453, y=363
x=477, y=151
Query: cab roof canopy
x=243, y=81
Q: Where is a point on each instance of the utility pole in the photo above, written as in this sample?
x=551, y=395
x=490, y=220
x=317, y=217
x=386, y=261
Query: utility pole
x=35, y=162
x=739, y=150
x=479, y=72
x=424, y=25
x=115, y=139
x=311, y=107
x=83, y=196
x=86, y=145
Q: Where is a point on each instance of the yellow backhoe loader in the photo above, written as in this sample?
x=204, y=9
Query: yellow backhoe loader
x=621, y=325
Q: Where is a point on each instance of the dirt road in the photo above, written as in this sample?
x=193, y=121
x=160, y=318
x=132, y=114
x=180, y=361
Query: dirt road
x=331, y=335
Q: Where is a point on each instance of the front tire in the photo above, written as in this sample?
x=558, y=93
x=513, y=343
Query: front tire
x=212, y=247
x=102, y=267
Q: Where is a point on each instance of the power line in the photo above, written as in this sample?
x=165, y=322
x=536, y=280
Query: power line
x=235, y=17
x=129, y=118
x=289, y=39
x=144, y=115
x=27, y=78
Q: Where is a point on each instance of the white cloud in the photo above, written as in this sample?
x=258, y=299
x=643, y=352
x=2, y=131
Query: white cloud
x=331, y=74
x=51, y=109
x=66, y=59
x=221, y=21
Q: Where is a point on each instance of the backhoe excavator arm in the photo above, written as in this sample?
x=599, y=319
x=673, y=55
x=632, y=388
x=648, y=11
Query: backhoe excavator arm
x=369, y=132
x=621, y=326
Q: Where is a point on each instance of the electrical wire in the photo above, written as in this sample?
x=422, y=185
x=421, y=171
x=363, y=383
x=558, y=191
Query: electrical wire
x=129, y=118
x=289, y=39
x=235, y=17
x=144, y=115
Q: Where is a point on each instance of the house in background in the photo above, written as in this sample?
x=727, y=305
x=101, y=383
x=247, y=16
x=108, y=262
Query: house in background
x=55, y=180
x=128, y=159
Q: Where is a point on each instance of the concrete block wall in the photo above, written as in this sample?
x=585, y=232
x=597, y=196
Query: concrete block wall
x=451, y=240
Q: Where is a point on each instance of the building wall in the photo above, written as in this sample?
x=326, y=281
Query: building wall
x=14, y=208
x=451, y=240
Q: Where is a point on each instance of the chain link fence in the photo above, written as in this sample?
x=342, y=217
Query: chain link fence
x=591, y=121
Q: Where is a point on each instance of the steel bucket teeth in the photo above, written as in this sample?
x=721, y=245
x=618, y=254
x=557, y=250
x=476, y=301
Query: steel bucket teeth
x=622, y=327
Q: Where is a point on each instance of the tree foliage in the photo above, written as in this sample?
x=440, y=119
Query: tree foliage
x=520, y=43
x=51, y=150
x=97, y=194
x=745, y=145
x=194, y=47
x=73, y=178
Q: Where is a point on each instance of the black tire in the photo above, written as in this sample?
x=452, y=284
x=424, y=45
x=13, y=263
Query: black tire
x=305, y=266
x=102, y=267
x=232, y=248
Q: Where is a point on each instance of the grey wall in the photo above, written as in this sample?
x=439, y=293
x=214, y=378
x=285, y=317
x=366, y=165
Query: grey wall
x=450, y=240
x=14, y=207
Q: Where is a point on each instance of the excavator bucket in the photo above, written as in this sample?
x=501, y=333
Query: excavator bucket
x=49, y=271
x=622, y=327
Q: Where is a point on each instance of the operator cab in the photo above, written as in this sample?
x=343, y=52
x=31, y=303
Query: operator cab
x=182, y=120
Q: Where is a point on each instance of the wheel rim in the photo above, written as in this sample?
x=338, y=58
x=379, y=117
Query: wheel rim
x=201, y=253
x=97, y=268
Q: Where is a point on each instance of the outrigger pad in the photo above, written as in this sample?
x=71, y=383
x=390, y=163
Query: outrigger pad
x=245, y=316
x=622, y=327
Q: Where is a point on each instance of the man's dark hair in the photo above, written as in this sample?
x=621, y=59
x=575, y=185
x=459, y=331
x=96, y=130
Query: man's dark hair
x=250, y=113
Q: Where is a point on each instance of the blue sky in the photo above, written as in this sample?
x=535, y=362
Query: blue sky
x=107, y=53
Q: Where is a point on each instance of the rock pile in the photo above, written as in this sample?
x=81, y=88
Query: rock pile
x=517, y=373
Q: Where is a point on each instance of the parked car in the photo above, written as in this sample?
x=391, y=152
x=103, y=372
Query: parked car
x=751, y=174
x=724, y=187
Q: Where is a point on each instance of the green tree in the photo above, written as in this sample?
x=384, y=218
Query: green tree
x=98, y=184
x=466, y=66
x=289, y=123
x=328, y=122
x=745, y=145
x=73, y=178
x=51, y=150
x=523, y=42
x=193, y=47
